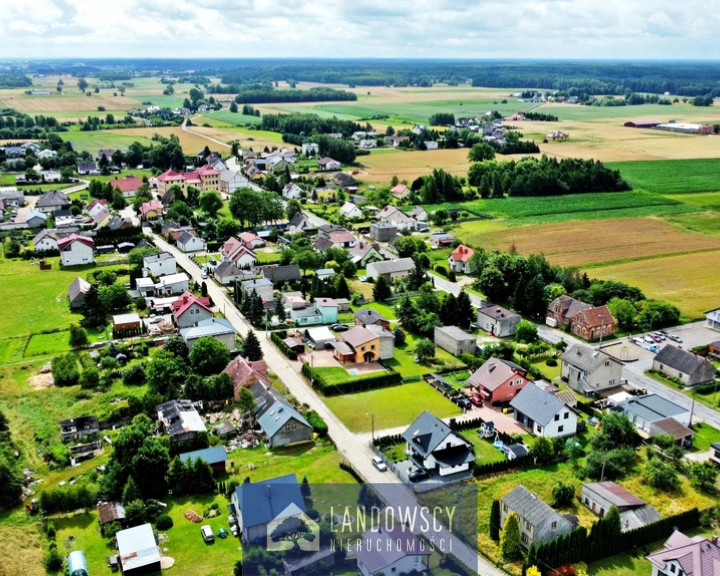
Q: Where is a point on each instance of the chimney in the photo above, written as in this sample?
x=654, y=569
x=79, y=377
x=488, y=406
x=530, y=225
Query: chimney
x=185, y=298
x=714, y=539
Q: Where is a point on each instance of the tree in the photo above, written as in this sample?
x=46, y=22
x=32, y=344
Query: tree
x=78, y=337
x=210, y=202
x=510, y=546
x=115, y=298
x=305, y=487
x=135, y=513
x=166, y=374
x=82, y=84
x=481, y=151
x=495, y=520
x=623, y=311
x=703, y=475
x=526, y=332
x=130, y=491
x=10, y=480
x=465, y=310
x=563, y=495
x=177, y=346
x=209, y=356
x=93, y=310
x=616, y=431
x=233, y=108
x=491, y=282
x=89, y=379
x=246, y=402
x=399, y=337
x=291, y=208
x=251, y=347
x=542, y=451
x=382, y=289
x=424, y=350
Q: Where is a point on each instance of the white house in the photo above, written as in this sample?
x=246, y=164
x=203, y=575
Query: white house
x=189, y=243
x=161, y=264
x=217, y=328
x=310, y=148
x=712, y=319
x=76, y=250
x=350, y=210
x=292, y=191
x=391, y=550
x=328, y=164
x=189, y=310
x=231, y=181
x=391, y=269
x=45, y=240
x=459, y=260
x=543, y=413
x=432, y=445
x=172, y=284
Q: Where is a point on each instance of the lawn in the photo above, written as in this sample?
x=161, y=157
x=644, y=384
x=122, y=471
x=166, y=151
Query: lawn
x=404, y=359
x=672, y=176
x=392, y=407
x=705, y=435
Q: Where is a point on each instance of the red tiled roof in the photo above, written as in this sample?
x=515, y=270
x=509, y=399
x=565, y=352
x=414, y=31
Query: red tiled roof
x=127, y=184
x=493, y=373
x=240, y=370
x=186, y=300
x=170, y=176
x=462, y=253
x=152, y=206
x=207, y=171
x=595, y=317
x=247, y=237
x=68, y=240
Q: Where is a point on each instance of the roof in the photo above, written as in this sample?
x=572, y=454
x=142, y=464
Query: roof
x=596, y=316
x=227, y=268
x=390, y=266
x=210, y=327
x=186, y=237
x=129, y=318
x=109, y=512
x=77, y=563
x=614, y=493
x=697, y=556
x=462, y=253
x=127, y=184
x=529, y=506
x=78, y=286
x=53, y=198
x=357, y=336
x=518, y=450
x=213, y=455
x=279, y=414
x=585, y=358
x=455, y=333
x=369, y=316
x=497, y=312
x=151, y=206
x=66, y=242
x=261, y=502
x=679, y=359
x=568, y=306
x=157, y=258
x=567, y=397
x=137, y=547
x=673, y=428
x=282, y=273
x=172, y=279
x=631, y=519
x=319, y=334
x=388, y=545
x=537, y=404
x=186, y=300
x=180, y=416
x=652, y=407
x=494, y=372
x=427, y=432
x=240, y=370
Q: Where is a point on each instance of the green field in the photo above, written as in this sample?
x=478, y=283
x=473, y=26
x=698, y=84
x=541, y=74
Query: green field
x=576, y=112
x=392, y=407
x=224, y=116
x=671, y=176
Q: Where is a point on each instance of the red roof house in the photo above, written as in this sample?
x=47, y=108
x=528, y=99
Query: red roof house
x=593, y=323
x=498, y=381
x=151, y=210
x=128, y=186
x=245, y=373
x=188, y=310
x=459, y=260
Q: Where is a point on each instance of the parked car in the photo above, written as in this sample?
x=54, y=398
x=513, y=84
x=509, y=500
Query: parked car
x=637, y=341
x=379, y=464
x=463, y=402
x=207, y=533
x=155, y=320
x=340, y=327
x=476, y=400
x=418, y=474
x=675, y=338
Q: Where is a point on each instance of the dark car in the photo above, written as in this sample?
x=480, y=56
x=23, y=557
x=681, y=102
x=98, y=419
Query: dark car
x=339, y=327
x=418, y=474
x=463, y=402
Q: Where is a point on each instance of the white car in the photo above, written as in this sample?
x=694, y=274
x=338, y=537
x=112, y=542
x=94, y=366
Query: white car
x=379, y=464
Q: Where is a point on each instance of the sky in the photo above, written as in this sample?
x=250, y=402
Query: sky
x=573, y=29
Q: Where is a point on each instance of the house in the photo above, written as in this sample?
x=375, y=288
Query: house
x=310, y=148
x=368, y=316
x=387, y=341
x=543, y=413
x=11, y=197
x=127, y=186
x=261, y=286
x=126, y=324
x=391, y=550
x=459, y=260
x=418, y=213
x=319, y=337
x=76, y=293
x=188, y=310
x=593, y=323
x=432, y=445
x=51, y=201
x=151, y=210
x=282, y=424
x=322, y=311
x=230, y=181
x=278, y=274
x=180, y=420
x=138, y=552
x=654, y=415
x=497, y=321
x=454, y=340
x=88, y=168
x=430, y=145
x=245, y=374
x=236, y=251
x=351, y=211
x=400, y=191
x=561, y=310
x=293, y=300
x=190, y=243
x=45, y=241
x=216, y=456
x=515, y=451
x=145, y=287
x=498, y=381
x=258, y=504
x=686, y=556
x=344, y=180
x=76, y=250
x=393, y=215
x=589, y=371
x=334, y=235
x=109, y=512
x=203, y=178
x=634, y=512
x=327, y=164
x=172, y=284
x=383, y=231
x=538, y=521
x=299, y=222
x=217, y=328
x=162, y=264
x=227, y=272
x=324, y=273
x=292, y=191
x=357, y=345
x=363, y=253
x=712, y=319
x=36, y=219
x=251, y=240
x=441, y=239
x=398, y=269
x=79, y=428
x=107, y=154
x=715, y=452
x=684, y=365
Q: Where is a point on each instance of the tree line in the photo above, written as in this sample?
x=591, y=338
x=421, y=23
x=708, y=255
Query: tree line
x=307, y=124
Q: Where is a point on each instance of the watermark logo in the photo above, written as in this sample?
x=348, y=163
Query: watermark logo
x=293, y=529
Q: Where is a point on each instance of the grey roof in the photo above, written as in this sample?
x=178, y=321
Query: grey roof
x=455, y=333
x=585, y=358
x=277, y=415
x=519, y=450
x=528, y=506
x=537, y=404
x=679, y=359
x=497, y=312
x=137, y=547
x=389, y=545
x=282, y=273
x=227, y=268
x=261, y=502
x=213, y=455
x=53, y=198
x=209, y=327
x=426, y=433
x=631, y=519
x=78, y=286
x=185, y=237
x=249, y=285
x=390, y=266
x=652, y=407
x=369, y=316
x=157, y=257
x=614, y=493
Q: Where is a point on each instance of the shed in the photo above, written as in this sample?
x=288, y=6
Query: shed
x=138, y=553
x=318, y=337
x=77, y=563
x=454, y=340
x=215, y=456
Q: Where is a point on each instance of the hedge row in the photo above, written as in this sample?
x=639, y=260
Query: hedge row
x=318, y=424
x=356, y=384
x=350, y=470
x=277, y=338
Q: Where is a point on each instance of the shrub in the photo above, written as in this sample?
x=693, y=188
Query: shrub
x=134, y=375
x=551, y=362
x=164, y=522
x=319, y=426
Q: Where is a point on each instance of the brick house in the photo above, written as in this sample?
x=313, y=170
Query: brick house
x=498, y=381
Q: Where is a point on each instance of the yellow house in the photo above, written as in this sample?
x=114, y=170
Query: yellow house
x=359, y=344
x=325, y=195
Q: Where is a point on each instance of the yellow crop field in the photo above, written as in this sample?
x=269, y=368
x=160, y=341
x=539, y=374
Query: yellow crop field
x=67, y=102
x=380, y=166
x=688, y=281
x=585, y=242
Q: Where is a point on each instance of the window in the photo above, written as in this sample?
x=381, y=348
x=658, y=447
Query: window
x=557, y=417
x=524, y=538
x=538, y=428
x=560, y=428
x=505, y=508
x=553, y=526
x=566, y=415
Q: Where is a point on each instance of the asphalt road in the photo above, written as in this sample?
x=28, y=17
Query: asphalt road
x=354, y=449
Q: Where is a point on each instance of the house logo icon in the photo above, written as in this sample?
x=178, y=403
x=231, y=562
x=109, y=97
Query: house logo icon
x=293, y=529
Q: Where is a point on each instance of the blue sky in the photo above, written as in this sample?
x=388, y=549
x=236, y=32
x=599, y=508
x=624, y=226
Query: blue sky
x=626, y=29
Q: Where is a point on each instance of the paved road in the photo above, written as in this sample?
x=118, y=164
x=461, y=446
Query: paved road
x=353, y=448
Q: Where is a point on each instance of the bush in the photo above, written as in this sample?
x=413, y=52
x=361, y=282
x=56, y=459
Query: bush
x=134, y=375
x=53, y=560
x=164, y=522
x=319, y=426
x=551, y=362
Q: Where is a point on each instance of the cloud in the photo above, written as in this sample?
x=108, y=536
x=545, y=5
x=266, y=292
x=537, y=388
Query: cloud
x=359, y=28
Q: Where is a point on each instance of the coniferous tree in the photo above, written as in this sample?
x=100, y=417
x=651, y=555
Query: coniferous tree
x=382, y=290
x=495, y=520
x=251, y=347
x=510, y=546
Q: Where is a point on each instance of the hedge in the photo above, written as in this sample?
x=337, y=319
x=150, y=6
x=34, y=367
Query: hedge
x=277, y=339
x=350, y=470
x=318, y=424
x=356, y=384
